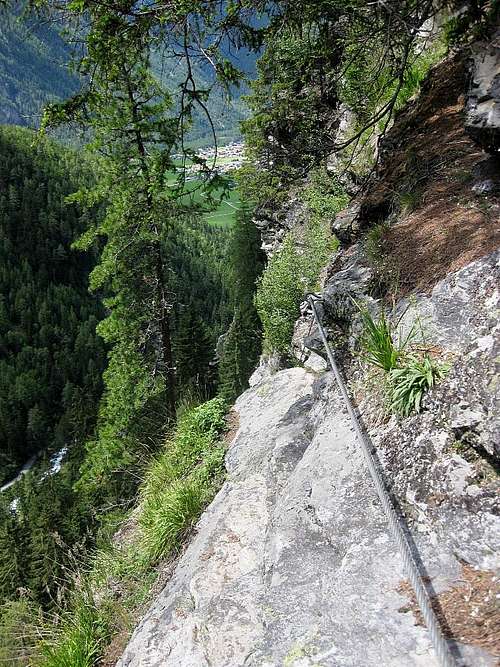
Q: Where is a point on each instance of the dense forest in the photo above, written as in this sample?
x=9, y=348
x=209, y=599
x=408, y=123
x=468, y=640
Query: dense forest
x=32, y=68
x=128, y=324
x=51, y=357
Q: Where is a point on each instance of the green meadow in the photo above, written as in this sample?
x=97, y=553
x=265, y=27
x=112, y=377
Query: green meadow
x=223, y=215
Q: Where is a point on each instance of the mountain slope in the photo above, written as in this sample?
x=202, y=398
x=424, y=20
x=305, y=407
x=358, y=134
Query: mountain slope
x=33, y=69
x=51, y=359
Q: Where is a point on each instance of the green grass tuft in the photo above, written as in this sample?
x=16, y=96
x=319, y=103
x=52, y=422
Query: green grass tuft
x=409, y=383
x=377, y=341
x=177, y=486
x=80, y=637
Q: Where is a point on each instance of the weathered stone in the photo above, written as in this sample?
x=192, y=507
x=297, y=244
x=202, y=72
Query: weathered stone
x=461, y=316
x=293, y=563
x=462, y=309
x=345, y=223
x=485, y=187
x=315, y=363
x=483, y=100
x=349, y=284
x=314, y=342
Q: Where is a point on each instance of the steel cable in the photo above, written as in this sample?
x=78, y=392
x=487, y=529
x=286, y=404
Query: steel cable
x=441, y=647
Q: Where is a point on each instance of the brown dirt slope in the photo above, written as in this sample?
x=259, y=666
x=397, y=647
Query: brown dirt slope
x=431, y=165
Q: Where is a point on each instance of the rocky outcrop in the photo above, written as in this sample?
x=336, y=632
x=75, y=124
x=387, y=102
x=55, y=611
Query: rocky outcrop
x=292, y=563
x=461, y=317
x=483, y=100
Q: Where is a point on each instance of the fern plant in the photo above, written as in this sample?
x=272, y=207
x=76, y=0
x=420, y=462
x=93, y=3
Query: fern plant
x=409, y=383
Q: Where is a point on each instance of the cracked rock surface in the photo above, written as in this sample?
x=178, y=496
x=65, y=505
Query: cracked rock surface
x=292, y=563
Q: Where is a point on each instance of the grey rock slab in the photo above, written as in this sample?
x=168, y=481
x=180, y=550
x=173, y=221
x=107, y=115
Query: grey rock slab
x=292, y=564
x=462, y=308
x=315, y=363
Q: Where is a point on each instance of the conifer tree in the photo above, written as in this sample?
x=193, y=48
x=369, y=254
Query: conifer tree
x=242, y=343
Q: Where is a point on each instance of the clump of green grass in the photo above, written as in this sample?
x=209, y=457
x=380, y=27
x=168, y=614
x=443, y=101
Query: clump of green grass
x=80, y=637
x=177, y=486
x=411, y=381
x=182, y=480
x=408, y=375
x=410, y=200
x=380, y=343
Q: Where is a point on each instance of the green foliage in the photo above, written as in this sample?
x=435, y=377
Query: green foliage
x=292, y=271
x=242, y=342
x=410, y=200
x=262, y=187
x=78, y=639
x=377, y=341
x=373, y=90
x=411, y=380
x=182, y=480
x=292, y=102
x=278, y=297
x=477, y=20
x=240, y=354
x=19, y=620
x=50, y=357
x=409, y=375
x=324, y=195
x=177, y=486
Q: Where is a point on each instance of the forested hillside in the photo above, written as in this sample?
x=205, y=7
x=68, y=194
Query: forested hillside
x=52, y=362
x=35, y=69
x=51, y=359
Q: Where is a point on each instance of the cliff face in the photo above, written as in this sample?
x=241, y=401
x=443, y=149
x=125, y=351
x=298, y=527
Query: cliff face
x=293, y=563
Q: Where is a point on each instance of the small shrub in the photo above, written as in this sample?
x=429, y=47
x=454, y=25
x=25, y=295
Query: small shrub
x=169, y=514
x=289, y=275
x=278, y=296
x=409, y=383
x=374, y=243
x=410, y=200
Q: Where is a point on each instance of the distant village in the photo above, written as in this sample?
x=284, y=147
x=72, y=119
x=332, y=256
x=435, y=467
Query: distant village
x=229, y=157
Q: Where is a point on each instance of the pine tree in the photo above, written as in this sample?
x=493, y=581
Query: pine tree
x=242, y=343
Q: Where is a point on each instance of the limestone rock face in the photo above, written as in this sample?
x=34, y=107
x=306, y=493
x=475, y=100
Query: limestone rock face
x=461, y=316
x=292, y=563
x=483, y=103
